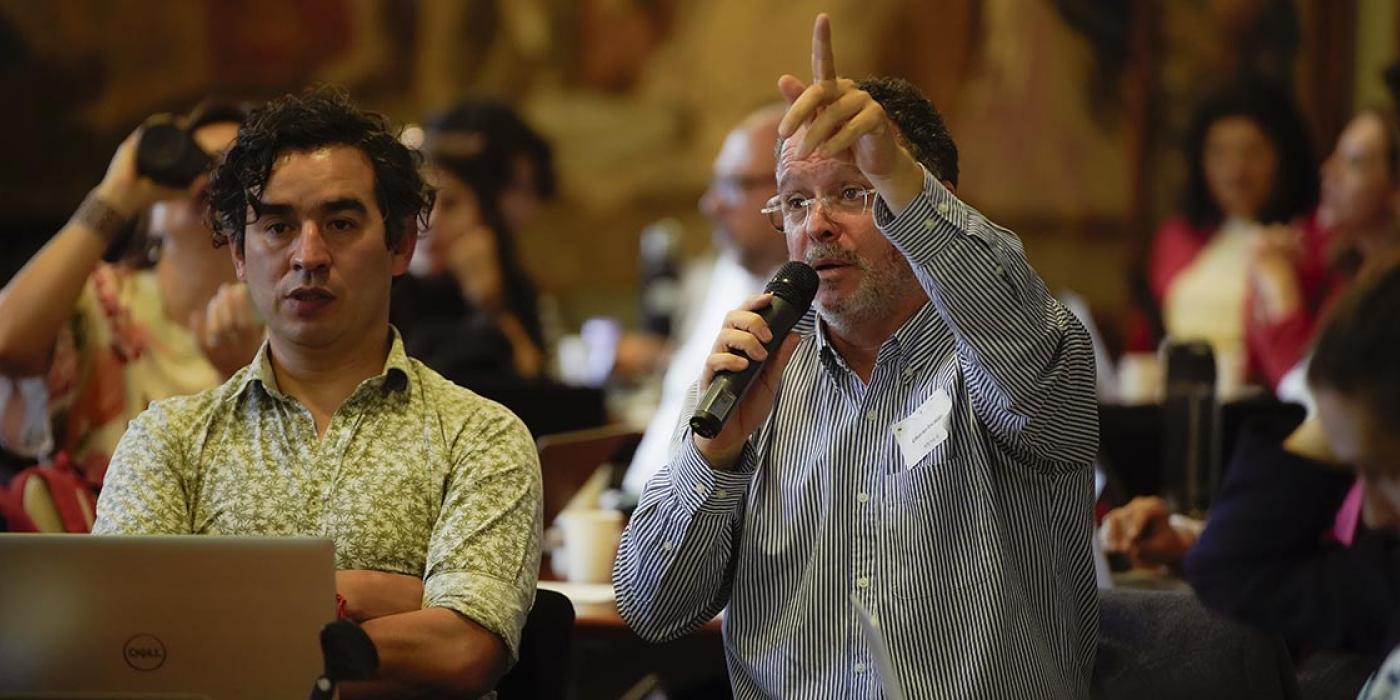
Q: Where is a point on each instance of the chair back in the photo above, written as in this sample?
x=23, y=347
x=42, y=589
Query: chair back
x=545, y=643
x=1165, y=644
x=567, y=460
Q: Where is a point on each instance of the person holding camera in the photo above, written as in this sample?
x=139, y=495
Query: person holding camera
x=86, y=344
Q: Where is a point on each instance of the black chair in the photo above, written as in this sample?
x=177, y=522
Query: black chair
x=543, y=668
x=1165, y=644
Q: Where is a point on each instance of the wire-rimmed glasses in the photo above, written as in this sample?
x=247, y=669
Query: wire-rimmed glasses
x=790, y=212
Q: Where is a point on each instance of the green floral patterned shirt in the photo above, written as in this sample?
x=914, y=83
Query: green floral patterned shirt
x=414, y=475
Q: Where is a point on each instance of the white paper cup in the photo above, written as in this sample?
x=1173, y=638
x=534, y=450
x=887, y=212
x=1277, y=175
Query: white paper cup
x=590, y=544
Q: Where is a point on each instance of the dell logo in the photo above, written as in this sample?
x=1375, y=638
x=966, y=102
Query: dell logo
x=144, y=652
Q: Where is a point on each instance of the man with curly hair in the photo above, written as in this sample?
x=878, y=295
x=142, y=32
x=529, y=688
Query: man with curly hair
x=430, y=492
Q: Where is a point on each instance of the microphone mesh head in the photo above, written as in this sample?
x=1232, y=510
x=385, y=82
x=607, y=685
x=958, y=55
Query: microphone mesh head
x=796, y=282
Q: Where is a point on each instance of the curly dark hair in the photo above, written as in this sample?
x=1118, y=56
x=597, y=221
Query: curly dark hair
x=1355, y=351
x=920, y=125
x=315, y=119
x=1295, y=190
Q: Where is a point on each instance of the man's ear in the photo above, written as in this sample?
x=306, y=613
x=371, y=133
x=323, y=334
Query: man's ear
x=408, y=242
x=951, y=187
x=235, y=251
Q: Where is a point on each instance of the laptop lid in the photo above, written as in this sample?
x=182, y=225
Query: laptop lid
x=85, y=616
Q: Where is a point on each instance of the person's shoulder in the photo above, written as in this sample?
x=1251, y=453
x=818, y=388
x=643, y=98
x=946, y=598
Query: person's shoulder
x=455, y=402
x=178, y=417
x=209, y=400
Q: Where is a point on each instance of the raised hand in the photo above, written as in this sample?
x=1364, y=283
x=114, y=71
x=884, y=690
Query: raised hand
x=473, y=262
x=228, y=329
x=126, y=190
x=833, y=116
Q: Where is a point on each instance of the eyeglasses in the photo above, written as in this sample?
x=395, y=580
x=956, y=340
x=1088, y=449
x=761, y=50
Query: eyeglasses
x=790, y=212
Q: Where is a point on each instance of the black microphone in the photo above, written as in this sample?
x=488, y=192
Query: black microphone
x=793, y=288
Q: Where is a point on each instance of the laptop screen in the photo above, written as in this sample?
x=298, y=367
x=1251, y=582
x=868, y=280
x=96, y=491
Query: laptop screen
x=162, y=616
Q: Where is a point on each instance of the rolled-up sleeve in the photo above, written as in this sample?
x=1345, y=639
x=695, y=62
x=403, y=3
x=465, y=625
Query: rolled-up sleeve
x=484, y=553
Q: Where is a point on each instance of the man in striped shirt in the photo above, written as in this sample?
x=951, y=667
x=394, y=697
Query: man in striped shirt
x=922, y=446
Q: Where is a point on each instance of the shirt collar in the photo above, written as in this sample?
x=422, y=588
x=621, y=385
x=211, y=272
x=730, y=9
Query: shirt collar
x=393, y=378
x=909, y=346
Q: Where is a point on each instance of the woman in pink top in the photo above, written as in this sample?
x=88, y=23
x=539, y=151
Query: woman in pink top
x=1251, y=184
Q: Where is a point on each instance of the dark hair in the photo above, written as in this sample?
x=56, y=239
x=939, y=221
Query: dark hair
x=479, y=142
x=920, y=125
x=1295, y=188
x=1356, y=352
x=316, y=119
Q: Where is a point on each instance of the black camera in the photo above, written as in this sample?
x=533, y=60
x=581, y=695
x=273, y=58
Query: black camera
x=168, y=154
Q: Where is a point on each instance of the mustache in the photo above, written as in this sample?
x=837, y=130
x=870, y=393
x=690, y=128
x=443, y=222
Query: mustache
x=831, y=251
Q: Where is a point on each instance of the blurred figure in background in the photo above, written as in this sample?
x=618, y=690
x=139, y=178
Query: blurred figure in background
x=1251, y=185
x=1360, y=210
x=1270, y=555
x=748, y=252
x=86, y=345
x=468, y=309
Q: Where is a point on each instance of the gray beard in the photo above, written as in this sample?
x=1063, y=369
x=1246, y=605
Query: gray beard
x=880, y=284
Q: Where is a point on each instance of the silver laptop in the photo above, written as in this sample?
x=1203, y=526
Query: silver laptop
x=216, y=618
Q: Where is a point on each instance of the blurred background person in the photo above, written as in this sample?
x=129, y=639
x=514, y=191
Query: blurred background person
x=747, y=252
x=468, y=309
x=1251, y=179
x=85, y=345
x=1360, y=212
x=1270, y=555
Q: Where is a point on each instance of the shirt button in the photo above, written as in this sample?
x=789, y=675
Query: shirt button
x=862, y=582
x=863, y=497
x=942, y=207
x=666, y=546
x=871, y=415
x=860, y=668
x=700, y=489
x=722, y=493
x=930, y=224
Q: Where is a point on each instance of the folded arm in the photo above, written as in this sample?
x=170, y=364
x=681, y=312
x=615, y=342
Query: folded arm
x=432, y=652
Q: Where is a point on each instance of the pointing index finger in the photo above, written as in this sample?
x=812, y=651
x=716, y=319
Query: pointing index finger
x=823, y=61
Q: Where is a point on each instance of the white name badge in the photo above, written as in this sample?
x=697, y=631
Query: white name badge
x=924, y=429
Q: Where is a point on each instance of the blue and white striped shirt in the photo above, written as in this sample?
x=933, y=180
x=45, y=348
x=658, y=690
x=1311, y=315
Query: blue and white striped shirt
x=976, y=561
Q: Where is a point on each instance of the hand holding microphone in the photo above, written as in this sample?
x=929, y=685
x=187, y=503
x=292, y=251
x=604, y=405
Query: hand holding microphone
x=738, y=381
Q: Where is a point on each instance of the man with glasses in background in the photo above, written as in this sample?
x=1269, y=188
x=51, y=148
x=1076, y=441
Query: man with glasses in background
x=748, y=253
x=918, y=455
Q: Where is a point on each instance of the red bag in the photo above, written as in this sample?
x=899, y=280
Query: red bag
x=49, y=498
